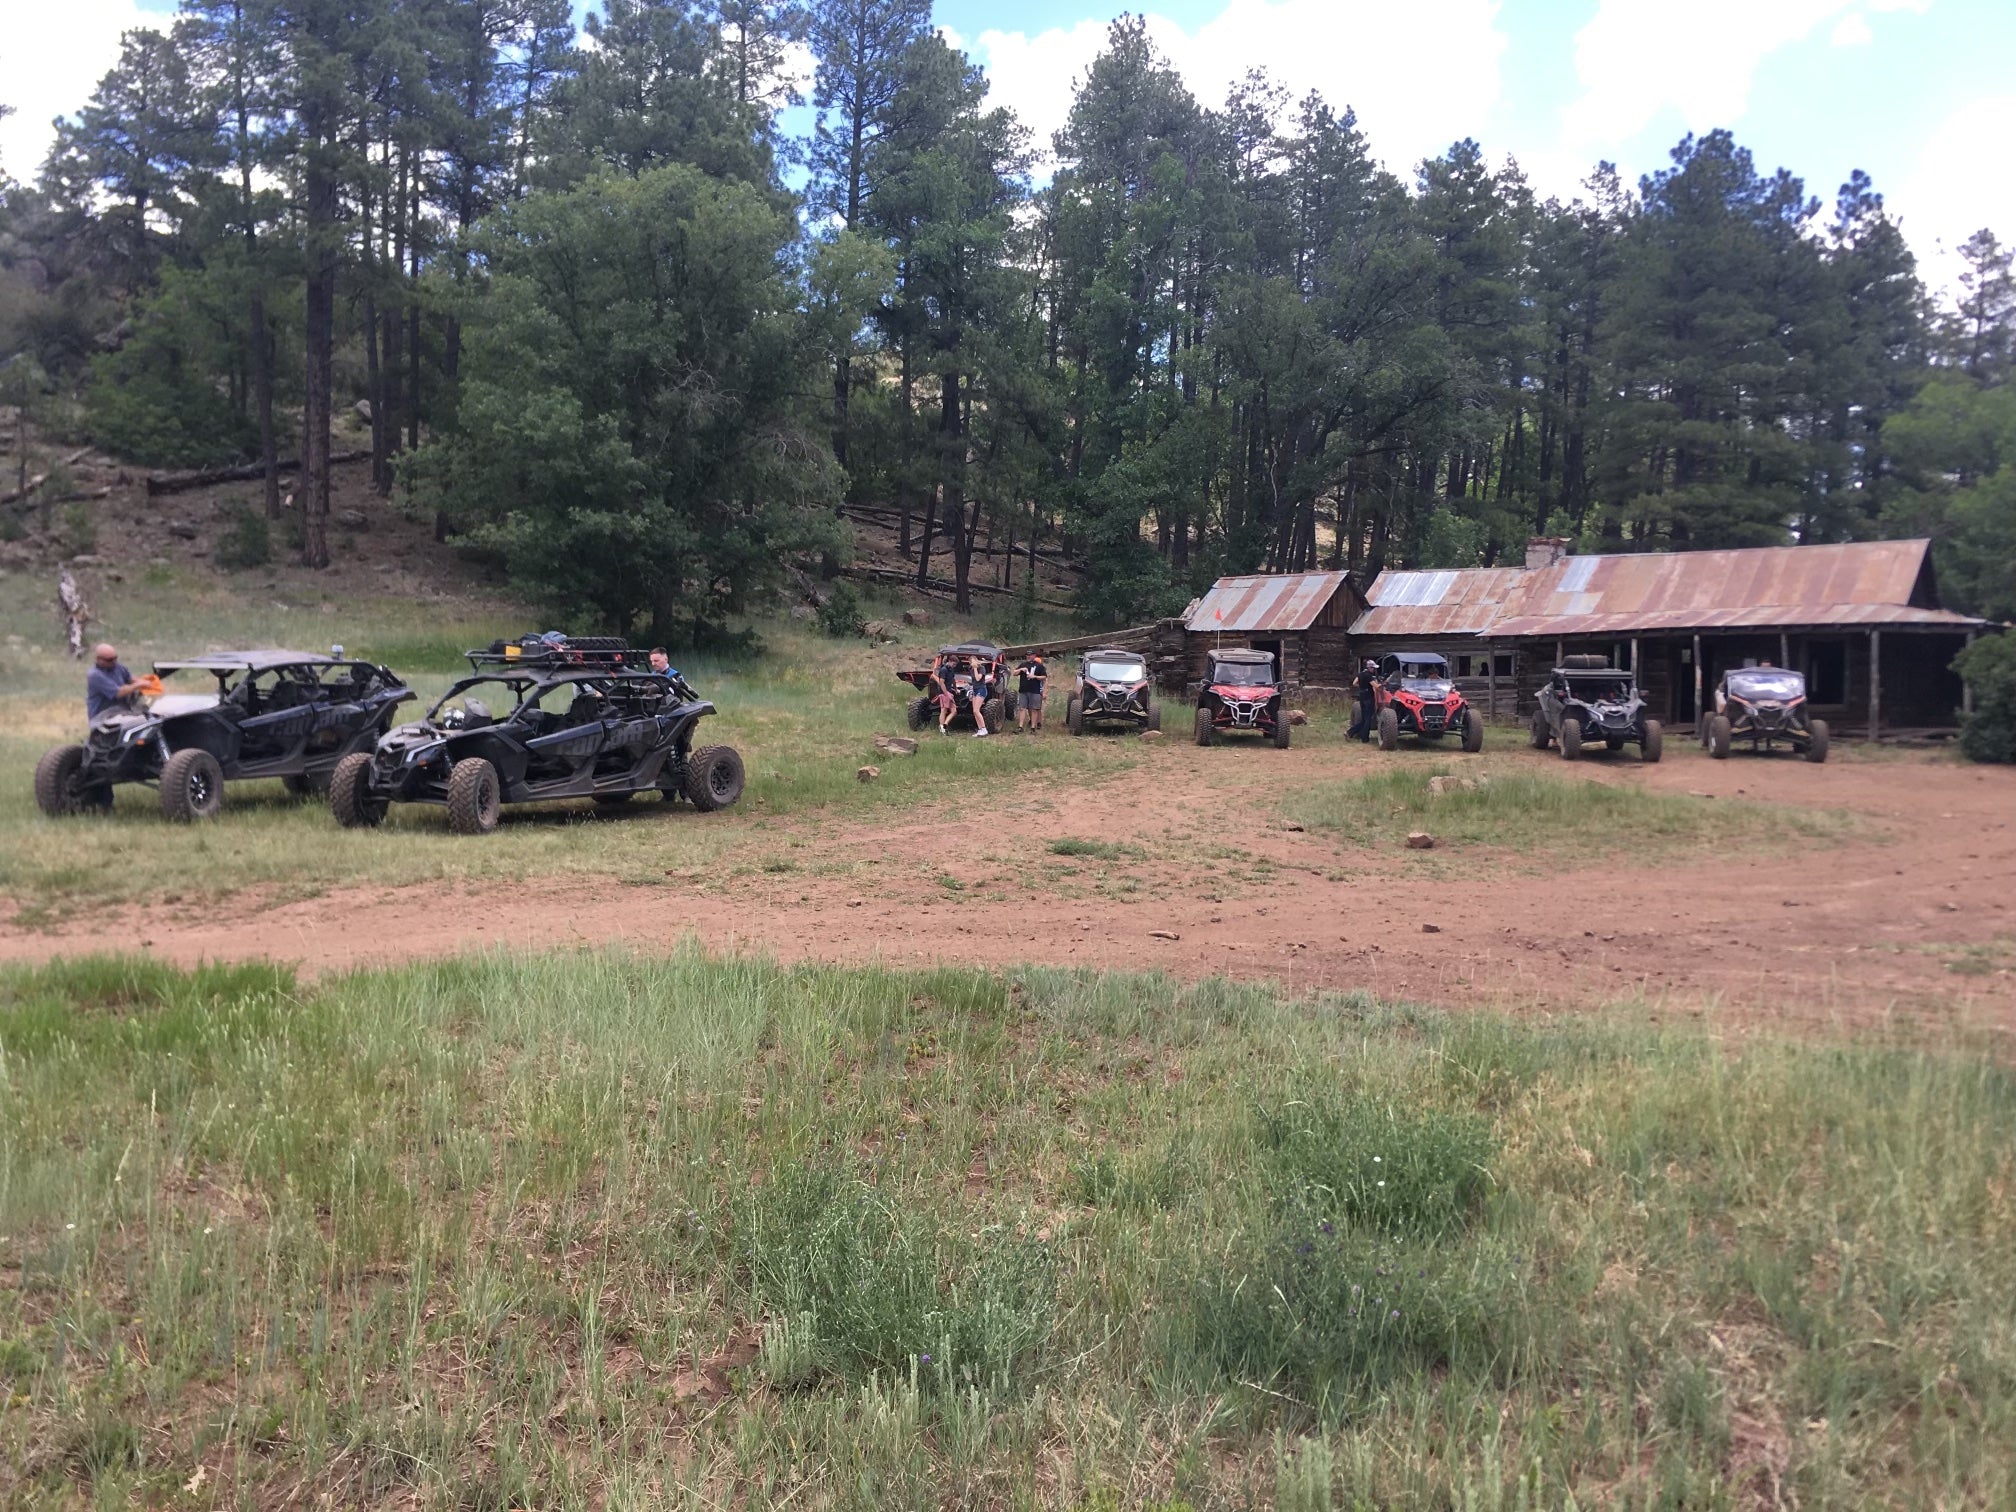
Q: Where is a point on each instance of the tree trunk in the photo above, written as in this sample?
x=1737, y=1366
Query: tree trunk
x=262, y=398
x=318, y=333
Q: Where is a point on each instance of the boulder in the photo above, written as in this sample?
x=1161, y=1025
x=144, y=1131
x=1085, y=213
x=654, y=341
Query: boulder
x=867, y=773
x=1151, y=734
x=1442, y=787
x=182, y=530
x=1431, y=929
x=363, y=409
x=803, y=612
x=896, y=745
x=1420, y=840
x=879, y=630
x=351, y=519
x=1297, y=717
x=916, y=617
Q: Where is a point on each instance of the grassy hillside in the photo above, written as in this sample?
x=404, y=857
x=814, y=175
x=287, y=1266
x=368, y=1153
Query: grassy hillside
x=591, y=1230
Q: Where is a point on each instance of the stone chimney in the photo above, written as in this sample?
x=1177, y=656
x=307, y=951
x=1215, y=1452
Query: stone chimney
x=1545, y=551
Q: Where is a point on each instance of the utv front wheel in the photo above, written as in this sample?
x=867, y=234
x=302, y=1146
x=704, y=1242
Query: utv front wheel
x=1154, y=716
x=192, y=786
x=1652, y=745
x=1206, y=730
x=993, y=713
x=1718, y=737
x=713, y=778
x=57, y=792
x=475, y=797
x=1074, y=717
x=1541, y=738
x=917, y=713
x=1389, y=730
x=1473, y=731
x=350, y=798
x=1281, y=730
x=1571, y=739
x=1817, y=739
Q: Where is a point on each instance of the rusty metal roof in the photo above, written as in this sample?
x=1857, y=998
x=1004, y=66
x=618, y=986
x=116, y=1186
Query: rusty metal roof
x=1866, y=583
x=1268, y=601
x=1457, y=601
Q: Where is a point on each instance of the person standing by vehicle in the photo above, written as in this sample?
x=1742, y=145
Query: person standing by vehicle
x=108, y=684
x=1368, y=677
x=1031, y=678
x=977, y=693
x=945, y=691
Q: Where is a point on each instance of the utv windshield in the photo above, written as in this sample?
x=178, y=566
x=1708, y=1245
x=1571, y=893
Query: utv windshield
x=1767, y=683
x=1243, y=675
x=1116, y=671
x=1424, y=677
x=480, y=700
x=1601, y=688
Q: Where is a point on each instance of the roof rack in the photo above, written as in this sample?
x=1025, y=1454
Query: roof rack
x=593, y=653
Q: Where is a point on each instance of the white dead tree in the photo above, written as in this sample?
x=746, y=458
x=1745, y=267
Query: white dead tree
x=76, y=613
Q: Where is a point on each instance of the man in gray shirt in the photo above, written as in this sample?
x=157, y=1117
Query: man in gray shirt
x=107, y=683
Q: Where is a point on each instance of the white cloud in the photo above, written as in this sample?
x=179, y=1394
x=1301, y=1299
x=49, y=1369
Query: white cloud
x=53, y=58
x=1948, y=198
x=1636, y=59
x=1412, y=101
x=1852, y=30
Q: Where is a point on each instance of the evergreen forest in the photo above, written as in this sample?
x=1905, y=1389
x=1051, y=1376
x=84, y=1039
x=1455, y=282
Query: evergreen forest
x=619, y=326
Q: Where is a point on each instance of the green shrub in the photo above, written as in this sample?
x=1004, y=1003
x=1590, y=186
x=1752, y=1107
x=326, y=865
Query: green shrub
x=77, y=529
x=1358, y=1162
x=863, y=1283
x=1989, y=669
x=247, y=540
x=840, y=616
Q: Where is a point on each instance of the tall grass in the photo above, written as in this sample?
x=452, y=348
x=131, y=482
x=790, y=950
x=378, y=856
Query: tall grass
x=581, y=1228
x=1567, y=820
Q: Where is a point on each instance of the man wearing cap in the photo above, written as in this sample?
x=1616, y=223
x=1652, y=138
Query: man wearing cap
x=108, y=684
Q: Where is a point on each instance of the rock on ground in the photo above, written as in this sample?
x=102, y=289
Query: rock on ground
x=867, y=773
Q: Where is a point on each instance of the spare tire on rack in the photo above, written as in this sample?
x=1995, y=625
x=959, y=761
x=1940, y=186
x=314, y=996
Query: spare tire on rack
x=1583, y=662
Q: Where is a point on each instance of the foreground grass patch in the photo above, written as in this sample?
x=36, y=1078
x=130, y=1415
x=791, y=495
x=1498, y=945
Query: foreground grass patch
x=587, y=1229
x=1544, y=816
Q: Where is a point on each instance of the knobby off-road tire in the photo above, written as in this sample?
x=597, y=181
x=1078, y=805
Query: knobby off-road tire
x=1473, y=731
x=992, y=712
x=192, y=787
x=1818, y=740
x=1718, y=737
x=1571, y=739
x=1389, y=730
x=350, y=800
x=1154, y=715
x=713, y=778
x=1281, y=731
x=1653, y=744
x=1542, y=736
x=1206, y=730
x=56, y=791
x=917, y=713
x=1074, y=717
x=475, y=797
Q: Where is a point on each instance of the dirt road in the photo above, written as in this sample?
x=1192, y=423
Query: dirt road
x=1917, y=917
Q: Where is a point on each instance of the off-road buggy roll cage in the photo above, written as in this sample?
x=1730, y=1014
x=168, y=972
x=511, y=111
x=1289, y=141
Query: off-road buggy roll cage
x=920, y=712
x=1586, y=699
x=1240, y=693
x=274, y=713
x=587, y=720
x=1415, y=695
x=1113, y=687
x=1767, y=707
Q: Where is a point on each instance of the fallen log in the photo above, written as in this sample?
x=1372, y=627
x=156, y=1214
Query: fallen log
x=1118, y=639
x=941, y=586
x=169, y=483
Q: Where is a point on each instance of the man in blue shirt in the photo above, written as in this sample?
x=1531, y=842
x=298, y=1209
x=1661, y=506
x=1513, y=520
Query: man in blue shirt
x=107, y=683
x=661, y=664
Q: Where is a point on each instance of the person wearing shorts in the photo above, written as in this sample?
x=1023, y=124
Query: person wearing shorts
x=945, y=691
x=978, y=693
x=1031, y=677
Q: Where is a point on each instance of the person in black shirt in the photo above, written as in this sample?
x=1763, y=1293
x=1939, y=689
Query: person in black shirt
x=945, y=694
x=1361, y=727
x=1031, y=678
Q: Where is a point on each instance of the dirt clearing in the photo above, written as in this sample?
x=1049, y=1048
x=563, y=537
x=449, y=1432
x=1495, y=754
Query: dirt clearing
x=1185, y=864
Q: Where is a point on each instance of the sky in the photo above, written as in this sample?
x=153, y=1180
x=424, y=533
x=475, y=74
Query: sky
x=1917, y=93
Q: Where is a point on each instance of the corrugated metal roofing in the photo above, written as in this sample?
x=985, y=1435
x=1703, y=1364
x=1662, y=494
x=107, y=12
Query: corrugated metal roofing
x=1269, y=601
x=1867, y=583
x=1465, y=601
